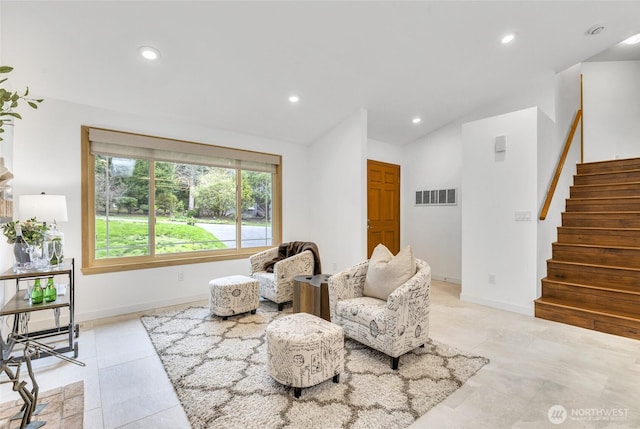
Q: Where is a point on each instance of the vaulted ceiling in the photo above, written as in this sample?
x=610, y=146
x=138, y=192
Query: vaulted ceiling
x=233, y=65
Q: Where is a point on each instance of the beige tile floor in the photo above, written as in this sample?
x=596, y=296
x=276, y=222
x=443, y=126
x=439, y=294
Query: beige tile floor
x=535, y=364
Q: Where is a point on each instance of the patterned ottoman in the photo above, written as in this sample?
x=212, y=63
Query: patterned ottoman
x=233, y=295
x=304, y=350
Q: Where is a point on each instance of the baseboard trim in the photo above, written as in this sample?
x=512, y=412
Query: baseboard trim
x=499, y=305
x=446, y=279
x=120, y=311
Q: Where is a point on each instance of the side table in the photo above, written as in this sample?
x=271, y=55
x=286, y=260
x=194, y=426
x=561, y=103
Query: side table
x=311, y=295
x=21, y=310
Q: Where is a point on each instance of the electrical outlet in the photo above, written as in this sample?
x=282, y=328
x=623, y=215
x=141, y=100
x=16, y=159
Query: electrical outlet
x=180, y=276
x=492, y=279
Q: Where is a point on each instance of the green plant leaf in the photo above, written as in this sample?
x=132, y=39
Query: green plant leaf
x=11, y=100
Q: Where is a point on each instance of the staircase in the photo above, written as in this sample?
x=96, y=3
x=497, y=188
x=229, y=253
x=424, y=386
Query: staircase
x=593, y=277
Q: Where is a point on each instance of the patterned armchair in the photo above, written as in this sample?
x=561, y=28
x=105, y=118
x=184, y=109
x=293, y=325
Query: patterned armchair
x=278, y=285
x=394, y=326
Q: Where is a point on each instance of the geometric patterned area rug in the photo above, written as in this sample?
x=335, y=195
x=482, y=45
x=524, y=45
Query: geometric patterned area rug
x=218, y=369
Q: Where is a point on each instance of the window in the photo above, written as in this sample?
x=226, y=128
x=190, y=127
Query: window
x=150, y=201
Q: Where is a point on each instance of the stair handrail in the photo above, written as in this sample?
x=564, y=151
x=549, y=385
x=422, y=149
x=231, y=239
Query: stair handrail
x=563, y=157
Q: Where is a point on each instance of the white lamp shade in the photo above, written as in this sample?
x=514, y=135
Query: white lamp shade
x=45, y=208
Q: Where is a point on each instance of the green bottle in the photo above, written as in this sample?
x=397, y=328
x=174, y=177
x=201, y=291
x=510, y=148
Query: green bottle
x=37, y=293
x=50, y=292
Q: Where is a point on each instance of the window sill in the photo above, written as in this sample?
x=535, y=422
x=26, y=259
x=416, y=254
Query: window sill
x=141, y=263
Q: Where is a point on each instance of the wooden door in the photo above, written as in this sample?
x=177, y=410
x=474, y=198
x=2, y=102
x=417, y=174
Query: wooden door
x=383, y=206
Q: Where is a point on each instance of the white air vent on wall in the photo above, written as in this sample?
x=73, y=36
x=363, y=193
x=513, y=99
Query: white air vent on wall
x=437, y=197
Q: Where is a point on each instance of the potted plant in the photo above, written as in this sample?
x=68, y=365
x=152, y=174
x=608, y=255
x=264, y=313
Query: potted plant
x=30, y=252
x=10, y=100
x=32, y=231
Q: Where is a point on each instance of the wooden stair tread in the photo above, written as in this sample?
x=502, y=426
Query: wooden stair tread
x=595, y=190
x=600, y=173
x=582, y=264
x=594, y=246
x=609, y=162
x=617, y=219
x=596, y=185
x=616, y=212
x=615, y=176
x=592, y=199
x=612, y=161
x=598, y=228
x=603, y=203
x=559, y=303
x=592, y=287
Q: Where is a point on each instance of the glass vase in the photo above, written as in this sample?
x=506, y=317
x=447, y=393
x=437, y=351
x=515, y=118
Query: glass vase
x=54, y=245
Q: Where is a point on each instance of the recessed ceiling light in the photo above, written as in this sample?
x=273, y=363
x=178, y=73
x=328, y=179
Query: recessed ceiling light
x=149, y=52
x=633, y=40
x=416, y=120
x=507, y=38
x=294, y=99
x=596, y=29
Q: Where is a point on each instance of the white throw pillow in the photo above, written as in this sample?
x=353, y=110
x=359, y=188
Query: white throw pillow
x=387, y=272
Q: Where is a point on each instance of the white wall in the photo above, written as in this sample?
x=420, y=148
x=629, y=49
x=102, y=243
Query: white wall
x=548, y=150
x=336, y=200
x=47, y=158
x=611, y=126
x=436, y=160
x=496, y=186
x=384, y=152
x=550, y=145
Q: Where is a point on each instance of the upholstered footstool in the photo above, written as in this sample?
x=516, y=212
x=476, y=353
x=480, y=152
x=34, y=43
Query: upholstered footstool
x=233, y=295
x=304, y=350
